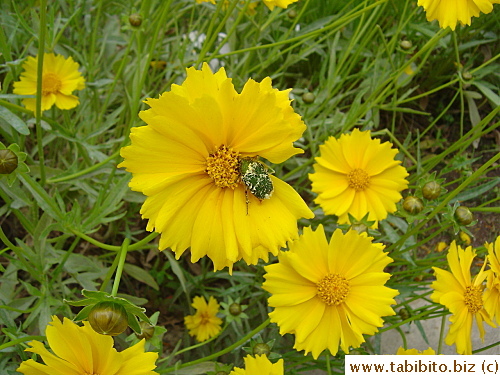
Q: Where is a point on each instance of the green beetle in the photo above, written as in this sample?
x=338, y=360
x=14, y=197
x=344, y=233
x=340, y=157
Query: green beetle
x=255, y=175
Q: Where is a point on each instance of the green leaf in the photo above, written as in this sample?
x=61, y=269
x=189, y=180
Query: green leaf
x=141, y=275
x=14, y=121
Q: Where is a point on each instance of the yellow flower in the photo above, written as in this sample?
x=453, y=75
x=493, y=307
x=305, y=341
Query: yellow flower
x=441, y=246
x=402, y=351
x=259, y=365
x=187, y=162
x=329, y=294
x=60, y=78
x=449, y=12
x=269, y=3
x=492, y=293
x=358, y=175
x=80, y=350
x=462, y=295
x=204, y=324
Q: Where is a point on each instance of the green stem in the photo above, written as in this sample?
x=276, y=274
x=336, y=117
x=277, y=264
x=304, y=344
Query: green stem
x=441, y=335
x=20, y=340
x=104, y=246
x=38, y=103
x=83, y=171
x=202, y=343
x=121, y=264
x=224, y=351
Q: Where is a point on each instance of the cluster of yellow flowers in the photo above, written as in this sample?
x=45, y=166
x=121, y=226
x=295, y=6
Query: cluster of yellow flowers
x=465, y=296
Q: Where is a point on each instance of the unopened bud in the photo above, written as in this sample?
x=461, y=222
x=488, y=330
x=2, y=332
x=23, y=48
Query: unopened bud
x=235, y=309
x=413, y=205
x=308, y=97
x=405, y=44
x=135, y=20
x=147, y=331
x=463, y=215
x=108, y=318
x=431, y=190
x=8, y=161
x=261, y=348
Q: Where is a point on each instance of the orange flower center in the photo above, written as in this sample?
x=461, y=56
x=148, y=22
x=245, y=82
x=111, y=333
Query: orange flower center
x=333, y=289
x=51, y=83
x=358, y=179
x=205, y=318
x=473, y=298
x=223, y=166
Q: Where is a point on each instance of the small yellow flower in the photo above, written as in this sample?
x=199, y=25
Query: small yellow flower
x=60, y=78
x=449, y=12
x=187, y=162
x=358, y=175
x=329, y=294
x=492, y=293
x=80, y=350
x=204, y=324
x=259, y=365
x=463, y=296
x=402, y=351
x=441, y=246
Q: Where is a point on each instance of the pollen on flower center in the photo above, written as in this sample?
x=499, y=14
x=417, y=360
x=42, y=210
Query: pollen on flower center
x=473, y=298
x=223, y=166
x=51, y=83
x=358, y=179
x=333, y=289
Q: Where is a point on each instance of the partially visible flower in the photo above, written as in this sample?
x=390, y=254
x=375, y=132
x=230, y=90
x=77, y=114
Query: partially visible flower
x=492, y=293
x=80, y=350
x=187, y=162
x=448, y=13
x=358, y=175
x=60, y=77
x=330, y=294
x=204, y=324
x=462, y=295
x=402, y=351
x=259, y=365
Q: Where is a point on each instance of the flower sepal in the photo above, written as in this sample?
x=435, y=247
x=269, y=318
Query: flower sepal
x=12, y=162
x=95, y=298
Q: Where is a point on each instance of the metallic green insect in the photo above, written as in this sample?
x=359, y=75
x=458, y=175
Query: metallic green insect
x=256, y=178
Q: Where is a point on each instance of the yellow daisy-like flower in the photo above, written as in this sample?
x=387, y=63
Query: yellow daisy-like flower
x=358, y=175
x=449, y=12
x=492, y=292
x=60, y=78
x=402, y=351
x=269, y=3
x=81, y=350
x=187, y=162
x=259, y=365
x=462, y=295
x=329, y=294
x=204, y=324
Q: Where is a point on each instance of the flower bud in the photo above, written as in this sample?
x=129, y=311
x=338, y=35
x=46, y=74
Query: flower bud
x=404, y=313
x=261, y=348
x=8, y=161
x=108, y=318
x=405, y=44
x=413, y=205
x=235, y=309
x=147, y=331
x=431, y=190
x=292, y=14
x=467, y=76
x=359, y=227
x=135, y=20
x=308, y=97
x=463, y=215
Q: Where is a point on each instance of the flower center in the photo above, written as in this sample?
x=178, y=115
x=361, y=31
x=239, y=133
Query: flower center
x=223, y=166
x=333, y=289
x=473, y=298
x=205, y=318
x=51, y=83
x=358, y=179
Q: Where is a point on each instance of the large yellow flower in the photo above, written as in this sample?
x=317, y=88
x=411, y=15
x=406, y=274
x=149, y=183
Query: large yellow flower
x=81, y=350
x=428, y=351
x=270, y=3
x=60, y=78
x=358, y=175
x=204, y=324
x=259, y=365
x=329, y=294
x=449, y=12
x=492, y=292
x=462, y=295
x=187, y=162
